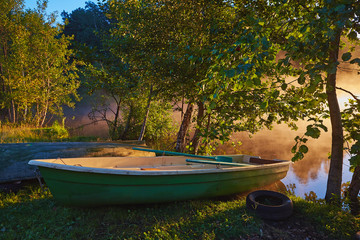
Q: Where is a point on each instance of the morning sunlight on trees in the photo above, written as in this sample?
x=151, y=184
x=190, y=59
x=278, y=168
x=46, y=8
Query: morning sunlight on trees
x=38, y=76
x=226, y=66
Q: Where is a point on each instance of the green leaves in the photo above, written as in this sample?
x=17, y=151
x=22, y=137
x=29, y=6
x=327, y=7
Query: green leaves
x=284, y=86
x=301, y=79
x=299, y=149
x=312, y=132
x=355, y=61
x=303, y=149
x=264, y=105
x=230, y=73
x=346, y=56
x=352, y=35
x=297, y=156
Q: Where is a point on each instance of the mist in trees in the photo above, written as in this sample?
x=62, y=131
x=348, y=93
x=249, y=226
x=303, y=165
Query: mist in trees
x=124, y=96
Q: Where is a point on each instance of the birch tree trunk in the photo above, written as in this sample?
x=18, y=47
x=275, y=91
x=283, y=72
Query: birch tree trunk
x=116, y=120
x=196, y=138
x=143, y=127
x=180, y=141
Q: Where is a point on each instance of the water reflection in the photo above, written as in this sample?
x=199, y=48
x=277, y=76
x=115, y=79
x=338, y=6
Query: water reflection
x=315, y=180
x=310, y=169
x=308, y=174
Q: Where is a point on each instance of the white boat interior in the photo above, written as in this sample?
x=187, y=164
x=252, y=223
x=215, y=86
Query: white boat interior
x=160, y=163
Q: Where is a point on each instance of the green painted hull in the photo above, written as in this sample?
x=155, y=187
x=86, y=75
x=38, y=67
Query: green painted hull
x=79, y=188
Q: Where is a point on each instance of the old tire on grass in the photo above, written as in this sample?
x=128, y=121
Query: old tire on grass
x=269, y=205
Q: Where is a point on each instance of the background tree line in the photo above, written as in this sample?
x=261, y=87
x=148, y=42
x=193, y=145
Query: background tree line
x=37, y=74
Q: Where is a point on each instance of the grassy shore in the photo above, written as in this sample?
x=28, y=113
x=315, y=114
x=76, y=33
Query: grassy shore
x=32, y=213
x=22, y=134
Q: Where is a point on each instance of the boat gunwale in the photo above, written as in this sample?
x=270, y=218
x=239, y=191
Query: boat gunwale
x=123, y=171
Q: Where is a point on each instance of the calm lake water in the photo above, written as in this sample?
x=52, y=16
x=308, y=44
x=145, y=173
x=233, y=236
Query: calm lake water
x=308, y=174
x=313, y=179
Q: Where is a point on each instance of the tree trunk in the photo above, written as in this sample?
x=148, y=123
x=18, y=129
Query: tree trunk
x=36, y=115
x=353, y=192
x=180, y=141
x=13, y=111
x=207, y=129
x=115, y=130
x=196, y=138
x=127, y=126
x=143, y=127
x=44, y=114
x=333, y=191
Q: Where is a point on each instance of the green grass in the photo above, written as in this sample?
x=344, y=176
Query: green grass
x=23, y=134
x=32, y=213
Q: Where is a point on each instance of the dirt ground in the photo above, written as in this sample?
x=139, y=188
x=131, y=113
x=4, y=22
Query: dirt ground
x=292, y=228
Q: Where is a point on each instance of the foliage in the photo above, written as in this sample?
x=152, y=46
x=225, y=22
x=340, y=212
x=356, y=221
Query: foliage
x=56, y=131
x=160, y=126
x=169, y=44
x=38, y=76
x=314, y=34
x=351, y=123
x=86, y=25
x=286, y=39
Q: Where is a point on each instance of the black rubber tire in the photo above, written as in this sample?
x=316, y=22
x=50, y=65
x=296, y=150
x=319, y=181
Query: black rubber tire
x=280, y=206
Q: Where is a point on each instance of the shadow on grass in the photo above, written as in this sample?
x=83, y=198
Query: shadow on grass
x=32, y=213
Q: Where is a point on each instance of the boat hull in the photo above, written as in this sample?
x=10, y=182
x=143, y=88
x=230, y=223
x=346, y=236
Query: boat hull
x=94, y=189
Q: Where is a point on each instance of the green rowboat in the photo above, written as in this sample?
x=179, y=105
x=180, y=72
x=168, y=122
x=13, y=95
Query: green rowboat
x=140, y=180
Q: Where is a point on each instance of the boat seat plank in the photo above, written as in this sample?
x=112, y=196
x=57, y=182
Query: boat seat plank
x=149, y=169
x=262, y=161
x=218, y=162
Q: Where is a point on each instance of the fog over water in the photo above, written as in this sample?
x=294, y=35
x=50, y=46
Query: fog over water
x=308, y=174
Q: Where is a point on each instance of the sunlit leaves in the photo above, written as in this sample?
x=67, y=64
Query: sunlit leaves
x=39, y=77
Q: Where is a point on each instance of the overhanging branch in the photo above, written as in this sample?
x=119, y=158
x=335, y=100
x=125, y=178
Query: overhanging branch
x=353, y=95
